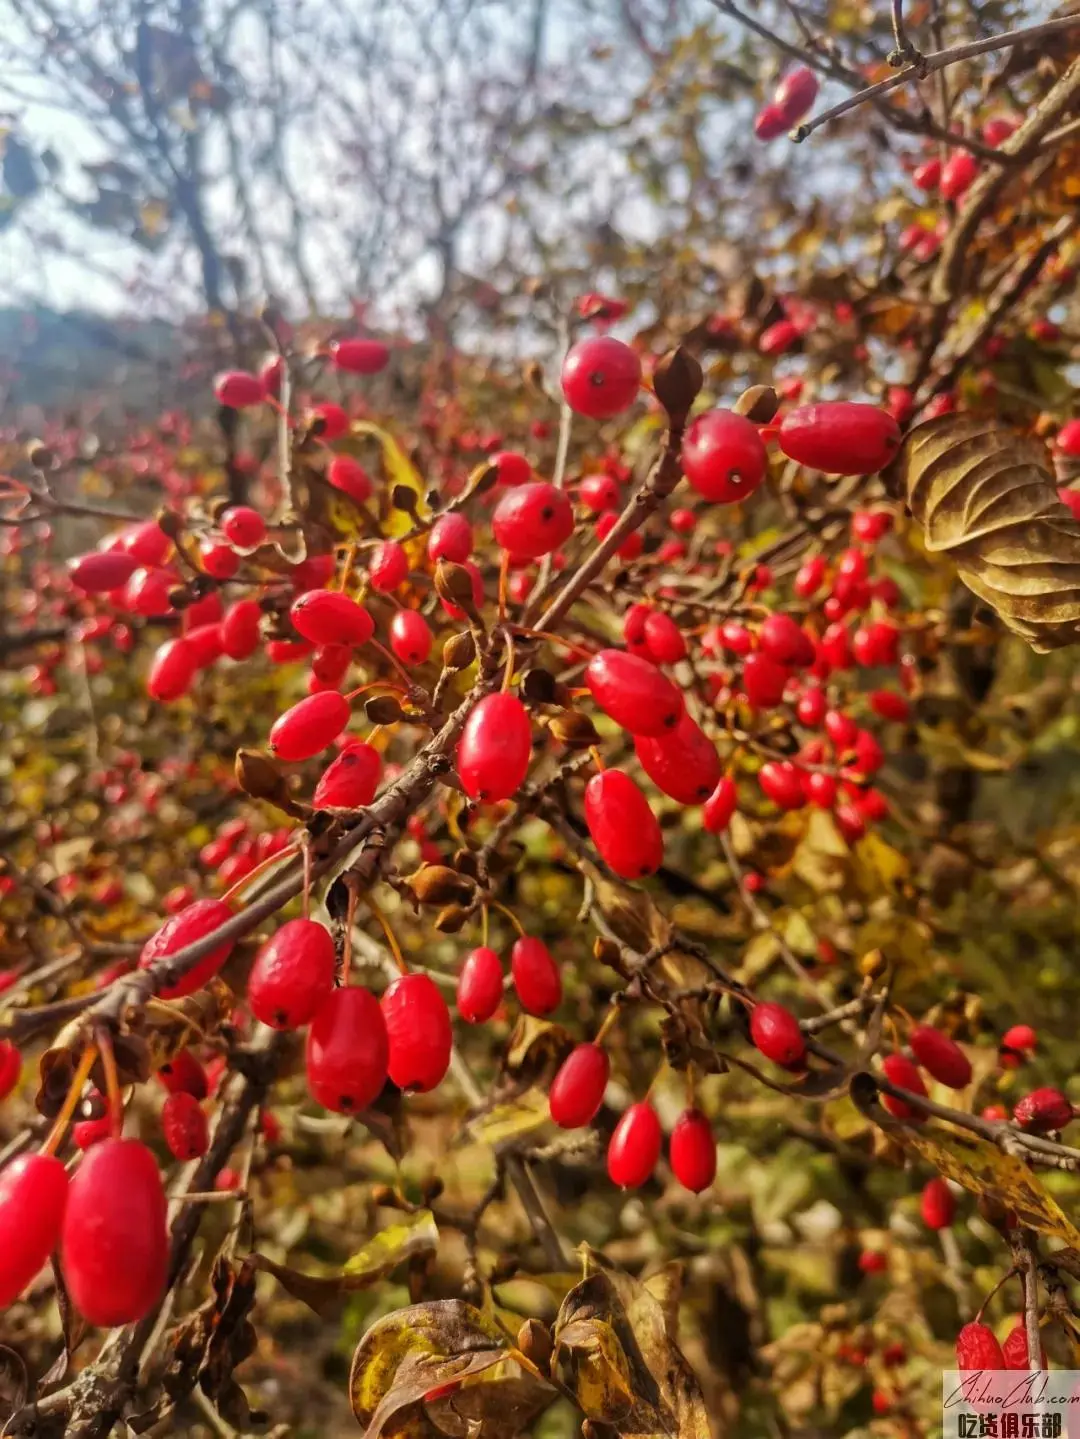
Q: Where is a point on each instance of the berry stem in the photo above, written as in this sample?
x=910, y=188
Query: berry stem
x=259, y=869
x=607, y=1025
x=484, y=917
x=510, y=915
x=63, y=1119
x=112, y=1081
x=391, y=937
x=586, y=654
x=504, y=580
x=346, y=569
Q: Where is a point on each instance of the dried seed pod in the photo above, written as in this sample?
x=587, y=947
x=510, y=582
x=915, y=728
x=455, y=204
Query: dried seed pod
x=759, y=403
x=452, y=919
x=677, y=381
x=573, y=729
x=459, y=651
x=437, y=884
x=383, y=709
x=454, y=584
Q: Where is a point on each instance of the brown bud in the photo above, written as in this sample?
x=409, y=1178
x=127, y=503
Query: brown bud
x=432, y=1188
x=872, y=964
x=452, y=919
x=180, y=597
x=607, y=952
x=466, y=862
x=535, y=1342
x=539, y=687
x=759, y=403
x=169, y=522
x=574, y=729
x=383, y=709
x=383, y=1194
x=459, y=651
x=436, y=884
x=486, y=480
x=258, y=775
x=39, y=455
x=504, y=1268
x=403, y=497
x=677, y=381
x=454, y=583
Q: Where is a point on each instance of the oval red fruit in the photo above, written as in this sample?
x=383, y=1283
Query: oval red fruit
x=532, y=520
x=692, y=1151
x=976, y=1344
x=1043, y=1110
x=634, y=1147
x=327, y=617
x=410, y=637
x=419, y=1032
x=480, y=985
x=238, y=390
x=388, y=567
x=840, y=437
x=720, y=806
x=622, y=825
x=723, y=456
x=940, y=1056
x=359, y=357
x=347, y=1051
x=240, y=629
x=536, y=976
x=495, y=748
x=900, y=1070
x=183, y=1123
x=684, y=763
x=194, y=922
x=577, y=1091
x=33, y=1193
x=172, y=670
x=775, y=1031
x=309, y=726
x=351, y=780
x=600, y=377
x=937, y=1204
x=634, y=692
x=293, y=973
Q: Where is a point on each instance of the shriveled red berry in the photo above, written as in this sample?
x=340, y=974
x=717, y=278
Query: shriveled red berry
x=244, y=527
x=293, y=973
x=692, y=1151
x=419, y=1032
x=480, y=985
x=720, y=806
x=240, y=629
x=634, y=693
x=184, y=1074
x=940, y=1056
x=451, y=538
x=1015, y=1349
x=775, y=1031
x=532, y=520
x=536, y=976
x=495, y=748
x=764, y=680
x=309, y=726
x=359, y=357
x=600, y=377
x=976, y=1344
x=1042, y=1110
x=723, y=456
x=33, y=1194
x=410, y=637
x=577, y=1091
x=184, y=1126
x=327, y=617
x=114, y=1244
x=684, y=764
x=900, y=1070
x=172, y=670
x=937, y=1205
x=238, y=390
x=347, y=1051
x=350, y=477
x=388, y=567
x=622, y=825
x=351, y=780
x=634, y=1147
x=782, y=782
x=840, y=437
x=193, y=923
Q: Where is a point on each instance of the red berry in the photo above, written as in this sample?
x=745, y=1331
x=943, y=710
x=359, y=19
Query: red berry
x=976, y=1344
x=599, y=493
x=900, y=1070
x=631, y=546
x=327, y=617
x=238, y=390
x=940, y=1056
x=781, y=781
x=600, y=377
x=347, y=1051
x=410, y=637
x=350, y=477
x=1042, y=1110
x=480, y=985
x=764, y=680
x=172, y=670
x=633, y=631
x=240, y=629
x=1015, y=1349
x=663, y=639
x=872, y=1261
x=147, y=592
x=819, y=789
x=88, y=1132
x=193, y=923
x=796, y=92
x=102, y=571
x=511, y=467
x=888, y=705
x=330, y=664
x=957, y=174
x=183, y=1074
x=359, y=357
x=536, y=976
x=309, y=726
x=388, y=567
x=271, y=373
x=840, y=437
x=532, y=520
x=736, y=638
x=880, y=1402
x=33, y=1193
x=927, y=176
x=495, y=748
x=205, y=644
x=147, y=542
x=577, y=1091
x=870, y=525
x=332, y=419
x=720, y=806
x=1068, y=438
x=10, y=1067
x=785, y=641
x=419, y=1032
x=114, y=1246
x=775, y=1031
x=723, y=456
x=622, y=825
x=770, y=123
x=777, y=339
x=244, y=527
x=684, y=764
x=634, y=693
x=692, y=1151
x=183, y=1123
x=938, y=1206
x=451, y=538
x=1020, y=1036
x=810, y=708
x=292, y=975
x=634, y=1147
x=841, y=729
x=351, y=780
x=835, y=647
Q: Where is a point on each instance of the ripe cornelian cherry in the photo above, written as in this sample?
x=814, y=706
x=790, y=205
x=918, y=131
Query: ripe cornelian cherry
x=940, y=1056
x=634, y=693
x=819, y=789
x=195, y=922
x=309, y=726
x=480, y=985
x=410, y=637
x=220, y=561
x=599, y=493
x=536, y=976
x=10, y=1067
x=937, y=1204
x=240, y=629
x=327, y=617
x=351, y=780
x=782, y=336
x=927, y=176
x=900, y=1070
x=238, y=390
x=1021, y=1037
x=663, y=639
x=331, y=420
x=796, y=92
x=764, y=680
x=775, y=1031
x=770, y=122
x=976, y=1344
x=184, y=1074
x=781, y=781
x=692, y=1151
x=419, y=1032
x=495, y=748
x=957, y=174
x=810, y=577
x=172, y=670
x=388, y=566
x=600, y=377
x=148, y=542
x=840, y=437
x=720, y=806
x=451, y=538
x=350, y=477
x=684, y=763
x=723, y=456
x=622, y=825
x=33, y=1193
x=577, y=1091
x=634, y=1147
x=147, y=592
x=1043, y=1110
x=511, y=467
x=184, y=1126
x=347, y=1051
x=532, y=520
x=785, y=641
x=101, y=571
x=114, y=1243
x=872, y=1261
x=810, y=708
x=330, y=664
x=359, y=357
x=244, y=527
x=633, y=631
x=292, y=975
x=1015, y=1349
x=888, y=705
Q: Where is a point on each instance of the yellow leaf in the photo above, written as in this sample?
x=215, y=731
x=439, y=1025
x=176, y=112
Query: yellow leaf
x=401, y=471
x=878, y=867
x=508, y=1121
